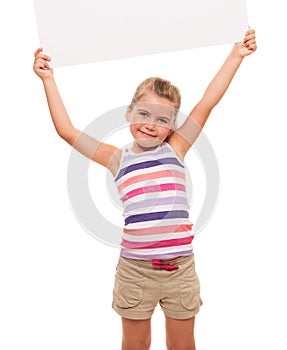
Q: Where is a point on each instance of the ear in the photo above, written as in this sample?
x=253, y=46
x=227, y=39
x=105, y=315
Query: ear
x=128, y=114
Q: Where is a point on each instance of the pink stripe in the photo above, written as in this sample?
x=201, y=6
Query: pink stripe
x=159, y=230
x=150, y=189
x=155, y=175
x=159, y=244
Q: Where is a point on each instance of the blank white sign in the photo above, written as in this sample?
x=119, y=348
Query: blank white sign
x=82, y=31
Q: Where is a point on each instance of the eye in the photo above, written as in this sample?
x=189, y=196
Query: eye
x=143, y=114
x=163, y=121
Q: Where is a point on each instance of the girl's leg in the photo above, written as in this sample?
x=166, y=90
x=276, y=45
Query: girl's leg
x=136, y=334
x=180, y=334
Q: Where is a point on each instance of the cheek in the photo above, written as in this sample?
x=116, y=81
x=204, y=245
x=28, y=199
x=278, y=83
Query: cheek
x=164, y=132
x=134, y=128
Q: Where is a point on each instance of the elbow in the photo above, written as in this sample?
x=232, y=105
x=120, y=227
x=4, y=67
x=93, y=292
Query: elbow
x=208, y=103
x=62, y=133
x=69, y=135
x=205, y=107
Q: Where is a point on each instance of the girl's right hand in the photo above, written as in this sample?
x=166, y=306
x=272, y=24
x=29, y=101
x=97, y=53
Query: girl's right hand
x=41, y=65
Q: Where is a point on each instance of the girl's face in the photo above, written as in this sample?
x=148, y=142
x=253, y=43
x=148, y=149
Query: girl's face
x=151, y=121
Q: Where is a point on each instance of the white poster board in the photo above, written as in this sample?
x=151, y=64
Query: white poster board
x=82, y=31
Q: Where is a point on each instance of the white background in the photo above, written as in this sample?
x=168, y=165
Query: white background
x=56, y=280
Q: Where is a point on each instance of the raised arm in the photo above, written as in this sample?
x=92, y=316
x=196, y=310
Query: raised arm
x=184, y=137
x=104, y=154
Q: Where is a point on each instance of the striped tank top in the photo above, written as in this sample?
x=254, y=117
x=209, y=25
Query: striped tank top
x=155, y=206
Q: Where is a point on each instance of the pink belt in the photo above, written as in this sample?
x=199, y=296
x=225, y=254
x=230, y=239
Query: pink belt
x=159, y=264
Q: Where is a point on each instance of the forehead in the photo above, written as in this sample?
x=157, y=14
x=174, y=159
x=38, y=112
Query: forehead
x=155, y=108
x=151, y=97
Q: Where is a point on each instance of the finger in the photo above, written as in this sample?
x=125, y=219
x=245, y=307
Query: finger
x=250, y=42
x=40, y=49
x=41, y=66
x=41, y=63
x=250, y=31
x=46, y=64
x=252, y=47
x=38, y=54
x=44, y=57
x=248, y=38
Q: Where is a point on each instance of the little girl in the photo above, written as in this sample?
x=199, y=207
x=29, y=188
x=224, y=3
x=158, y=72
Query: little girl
x=156, y=262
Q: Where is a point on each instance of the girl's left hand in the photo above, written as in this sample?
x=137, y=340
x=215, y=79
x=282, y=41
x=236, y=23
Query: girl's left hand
x=248, y=45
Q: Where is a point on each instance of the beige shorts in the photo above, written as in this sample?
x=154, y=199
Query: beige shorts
x=139, y=287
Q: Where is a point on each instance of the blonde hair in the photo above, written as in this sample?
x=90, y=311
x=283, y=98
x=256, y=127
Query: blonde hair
x=161, y=87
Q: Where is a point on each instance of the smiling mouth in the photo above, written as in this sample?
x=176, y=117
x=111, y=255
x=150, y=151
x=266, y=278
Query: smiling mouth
x=146, y=134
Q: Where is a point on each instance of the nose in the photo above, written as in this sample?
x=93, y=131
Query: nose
x=150, y=125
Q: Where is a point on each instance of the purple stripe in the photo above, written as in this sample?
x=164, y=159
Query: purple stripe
x=148, y=203
x=127, y=254
x=174, y=214
x=147, y=164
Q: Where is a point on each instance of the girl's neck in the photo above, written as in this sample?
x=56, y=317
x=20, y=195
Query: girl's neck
x=136, y=148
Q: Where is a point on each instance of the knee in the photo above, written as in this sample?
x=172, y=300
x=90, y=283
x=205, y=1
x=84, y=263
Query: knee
x=170, y=345
x=136, y=344
x=179, y=347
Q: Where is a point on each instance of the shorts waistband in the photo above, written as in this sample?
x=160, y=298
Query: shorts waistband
x=154, y=263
